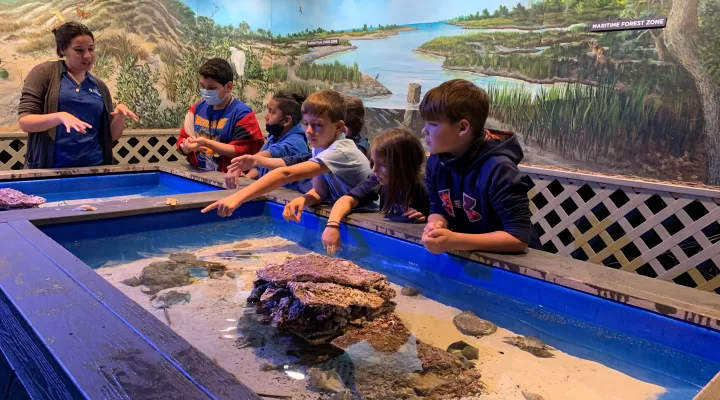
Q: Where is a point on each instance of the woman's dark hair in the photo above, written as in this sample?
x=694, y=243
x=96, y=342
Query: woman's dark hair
x=290, y=104
x=218, y=70
x=403, y=156
x=65, y=33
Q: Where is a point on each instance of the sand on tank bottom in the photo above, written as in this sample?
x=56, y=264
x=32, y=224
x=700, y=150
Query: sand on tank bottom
x=209, y=321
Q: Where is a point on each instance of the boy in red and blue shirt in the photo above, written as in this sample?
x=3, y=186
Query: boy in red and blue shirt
x=478, y=196
x=219, y=127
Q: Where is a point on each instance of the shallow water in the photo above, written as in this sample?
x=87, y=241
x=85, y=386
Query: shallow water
x=681, y=374
x=72, y=190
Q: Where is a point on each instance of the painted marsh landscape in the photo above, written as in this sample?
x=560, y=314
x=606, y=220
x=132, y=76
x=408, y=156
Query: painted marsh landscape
x=643, y=102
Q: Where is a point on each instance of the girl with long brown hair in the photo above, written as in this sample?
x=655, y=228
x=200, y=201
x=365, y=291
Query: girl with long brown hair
x=397, y=157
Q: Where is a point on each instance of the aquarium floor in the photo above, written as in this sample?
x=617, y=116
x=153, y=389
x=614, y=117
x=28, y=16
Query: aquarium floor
x=209, y=321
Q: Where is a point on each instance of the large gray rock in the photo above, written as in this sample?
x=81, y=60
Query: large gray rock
x=470, y=324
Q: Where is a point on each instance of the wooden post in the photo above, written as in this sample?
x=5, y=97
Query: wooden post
x=412, y=118
x=414, y=90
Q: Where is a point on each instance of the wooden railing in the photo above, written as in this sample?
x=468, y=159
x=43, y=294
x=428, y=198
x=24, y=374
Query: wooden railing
x=661, y=231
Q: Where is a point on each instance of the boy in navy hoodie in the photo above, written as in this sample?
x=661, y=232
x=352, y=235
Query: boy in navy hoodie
x=478, y=197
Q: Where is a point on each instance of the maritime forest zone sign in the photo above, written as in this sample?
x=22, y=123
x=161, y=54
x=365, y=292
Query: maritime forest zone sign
x=629, y=24
x=323, y=42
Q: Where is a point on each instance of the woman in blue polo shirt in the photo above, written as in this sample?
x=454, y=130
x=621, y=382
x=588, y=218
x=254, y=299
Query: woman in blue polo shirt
x=66, y=111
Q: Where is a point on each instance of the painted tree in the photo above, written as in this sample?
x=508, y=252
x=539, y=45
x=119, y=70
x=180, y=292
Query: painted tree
x=244, y=28
x=519, y=10
x=684, y=40
x=648, y=9
x=710, y=26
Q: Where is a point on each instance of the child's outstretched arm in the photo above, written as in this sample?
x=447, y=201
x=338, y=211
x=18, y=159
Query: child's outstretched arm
x=247, y=162
x=316, y=195
x=274, y=179
x=331, y=235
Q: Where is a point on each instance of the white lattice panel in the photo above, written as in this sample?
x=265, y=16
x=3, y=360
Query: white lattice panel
x=146, y=149
x=663, y=234
x=12, y=152
x=134, y=147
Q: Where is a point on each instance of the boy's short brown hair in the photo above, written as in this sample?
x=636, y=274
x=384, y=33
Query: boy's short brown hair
x=457, y=99
x=355, y=118
x=327, y=102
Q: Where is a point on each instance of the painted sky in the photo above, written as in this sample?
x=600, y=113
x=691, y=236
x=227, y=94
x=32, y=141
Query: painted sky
x=283, y=16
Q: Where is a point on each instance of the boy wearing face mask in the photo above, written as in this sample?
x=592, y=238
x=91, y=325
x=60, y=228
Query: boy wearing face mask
x=219, y=127
x=286, y=138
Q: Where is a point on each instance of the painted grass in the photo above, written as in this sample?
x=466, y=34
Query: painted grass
x=335, y=73
x=589, y=122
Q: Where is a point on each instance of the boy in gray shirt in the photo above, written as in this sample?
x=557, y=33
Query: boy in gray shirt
x=336, y=167
x=347, y=164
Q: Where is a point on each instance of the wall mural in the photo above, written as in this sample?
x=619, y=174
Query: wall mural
x=642, y=102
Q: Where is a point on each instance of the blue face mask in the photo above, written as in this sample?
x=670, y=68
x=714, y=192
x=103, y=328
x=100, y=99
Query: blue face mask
x=212, y=97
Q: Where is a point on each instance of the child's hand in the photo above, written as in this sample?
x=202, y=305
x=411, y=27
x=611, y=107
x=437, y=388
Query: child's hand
x=331, y=240
x=438, y=240
x=189, y=145
x=293, y=210
x=241, y=163
x=231, y=178
x=434, y=225
x=201, y=141
x=225, y=206
x=414, y=215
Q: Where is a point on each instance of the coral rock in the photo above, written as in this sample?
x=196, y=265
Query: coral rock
x=317, y=297
x=321, y=269
x=12, y=199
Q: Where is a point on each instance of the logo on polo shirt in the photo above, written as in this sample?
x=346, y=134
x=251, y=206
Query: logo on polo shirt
x=96, y=91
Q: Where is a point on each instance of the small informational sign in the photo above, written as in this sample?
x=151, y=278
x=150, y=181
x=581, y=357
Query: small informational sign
x=323, y=42
x=629, y=24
